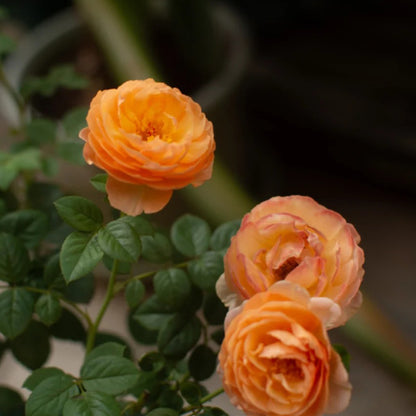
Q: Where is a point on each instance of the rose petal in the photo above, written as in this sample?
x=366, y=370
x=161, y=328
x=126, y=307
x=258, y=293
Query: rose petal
x=327, y=310
x=339, y=387
x=135, y=199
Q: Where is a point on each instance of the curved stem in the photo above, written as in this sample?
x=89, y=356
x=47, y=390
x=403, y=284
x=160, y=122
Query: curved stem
x=108, y=297
x=84, y=314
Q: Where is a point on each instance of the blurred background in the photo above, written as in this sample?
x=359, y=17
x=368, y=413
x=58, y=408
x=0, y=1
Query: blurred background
x=311, y=97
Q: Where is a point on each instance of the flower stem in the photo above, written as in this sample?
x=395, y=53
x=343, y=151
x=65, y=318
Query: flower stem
x=84, y=314
x=108, y=297
x=205, y=399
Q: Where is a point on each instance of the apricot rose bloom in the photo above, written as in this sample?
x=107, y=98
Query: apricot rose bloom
x=295, y=239
x=276, y=358
x=150, y=139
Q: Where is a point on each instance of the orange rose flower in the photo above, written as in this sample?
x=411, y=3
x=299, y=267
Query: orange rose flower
x=150, y=139
x=295, y=239
x=276, y=358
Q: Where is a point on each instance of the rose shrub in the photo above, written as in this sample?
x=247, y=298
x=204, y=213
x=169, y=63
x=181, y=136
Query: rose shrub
x=295, y=239
x=276, y=358
x=151, y=139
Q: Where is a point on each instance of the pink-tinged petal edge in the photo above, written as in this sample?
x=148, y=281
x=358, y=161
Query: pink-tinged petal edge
x=134, y=199
x=328, y=311
x=339, y=387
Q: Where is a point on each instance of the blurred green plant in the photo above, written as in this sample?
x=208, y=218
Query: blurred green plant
x=50, y=244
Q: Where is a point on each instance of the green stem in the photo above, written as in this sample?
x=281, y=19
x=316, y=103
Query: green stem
x=205, y=399
x=108, y=297
x=84, y=314
x=122, y=285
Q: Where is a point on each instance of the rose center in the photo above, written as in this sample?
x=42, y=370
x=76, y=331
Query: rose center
x=285, y=268
x=153, y=130
x=287, y=367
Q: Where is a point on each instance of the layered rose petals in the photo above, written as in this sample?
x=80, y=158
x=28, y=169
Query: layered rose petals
x=276, y=358
x=150, y=139
x=295, y=239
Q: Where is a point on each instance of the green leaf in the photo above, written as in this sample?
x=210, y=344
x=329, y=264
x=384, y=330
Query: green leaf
x=206, y=270
x=80, y=213
x=191, y=392
x=27, y=159
x=14, y=259
x=214, y=310
x=32, y=347
x=74, y=121
x=50, y=396
x=7, y=44
x=172, y=286
x=153, y=313
x=109, y=374
x=134, y=293
x=52, y=273
x=80, y=254
x=48, y=308
x=122, y=266
x=221, y=237
x=71, y=152
x=202, y=362
x=119, y=240
x=170, y=399
x=163, y=411
x=11, y=403
x=108, y=348
x=190, y=235
x=92, y=403
x=139, y=224
x=58, y=76
x=152, y=361
x=156, y=248
x=7, y=176
x=81, y=290
x=68, y=327
x=40, y=131
x=28, y=225
x=106, y=337
x=139, y=332
x=99, y=182
x=343, y=353
x=16, y=308
x=178, y=335
x=213, y=411
x=50, y=166
x=39, y=375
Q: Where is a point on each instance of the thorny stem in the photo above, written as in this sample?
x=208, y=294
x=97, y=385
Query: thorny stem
x=108, y=297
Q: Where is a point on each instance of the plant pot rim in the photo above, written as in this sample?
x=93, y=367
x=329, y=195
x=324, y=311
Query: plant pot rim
x=64, y=26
